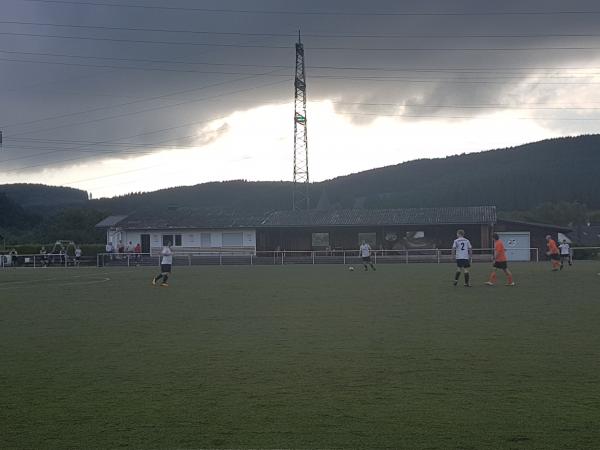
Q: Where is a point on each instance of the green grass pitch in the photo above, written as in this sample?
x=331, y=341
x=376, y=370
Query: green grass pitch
x=300, y=357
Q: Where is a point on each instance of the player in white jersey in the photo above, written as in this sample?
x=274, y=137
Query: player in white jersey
x=462, y=251
x=365, y=254
x=165, y=266
x=565, y=253
x=78, y=253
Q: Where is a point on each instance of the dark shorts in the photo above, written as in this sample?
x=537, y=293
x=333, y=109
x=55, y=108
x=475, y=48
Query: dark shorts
x=501, y=265
x=555, y=256
x=565, y=256
x=366, y=259
x=463, y=263
x=165, y=268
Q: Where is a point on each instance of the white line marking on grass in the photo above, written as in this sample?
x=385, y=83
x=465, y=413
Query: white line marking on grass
x=18, y=284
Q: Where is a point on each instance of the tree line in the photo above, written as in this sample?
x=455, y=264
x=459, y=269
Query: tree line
x=553, y=181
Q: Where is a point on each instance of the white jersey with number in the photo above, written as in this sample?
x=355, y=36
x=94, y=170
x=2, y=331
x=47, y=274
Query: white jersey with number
x=167, y=256
x=462, y=246
x=365, y=250
x=78, y=253
x=565, y=249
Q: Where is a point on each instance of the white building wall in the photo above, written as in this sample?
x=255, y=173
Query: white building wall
x=216, y=238
x=191, y=238
x=517, y=244
x=250, y=238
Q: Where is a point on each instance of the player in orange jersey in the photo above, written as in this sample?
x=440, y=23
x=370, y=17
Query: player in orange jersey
x=553, y=252
x=500, y=262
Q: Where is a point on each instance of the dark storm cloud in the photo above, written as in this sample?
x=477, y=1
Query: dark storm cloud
x=93, y=99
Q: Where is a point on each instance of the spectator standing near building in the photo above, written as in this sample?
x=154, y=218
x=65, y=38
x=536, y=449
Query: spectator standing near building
x=78, y=254
x=13, y=258
x=109, y=249
x=44, y=256
x=138, y=252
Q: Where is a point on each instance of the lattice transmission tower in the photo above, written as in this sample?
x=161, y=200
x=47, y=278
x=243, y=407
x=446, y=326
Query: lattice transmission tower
x=300, y=197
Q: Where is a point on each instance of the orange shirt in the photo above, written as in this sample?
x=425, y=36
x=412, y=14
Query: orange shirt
x=552, y=247
x=500, y=251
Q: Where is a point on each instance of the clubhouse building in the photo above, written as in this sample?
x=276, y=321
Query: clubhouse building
x=202, y=231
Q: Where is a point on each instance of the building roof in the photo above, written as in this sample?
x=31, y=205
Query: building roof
x=194, y=218
x=379, y=217
x=182, y=218
x=585, y=235
x=110, y=221
x=537, y=225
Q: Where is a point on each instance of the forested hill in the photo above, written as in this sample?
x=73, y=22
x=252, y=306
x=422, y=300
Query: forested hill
x=518, y=178
x=231, y=195
x=562, y=175
x=31, y=196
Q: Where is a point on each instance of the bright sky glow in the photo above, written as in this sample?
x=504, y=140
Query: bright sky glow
x=257, y=145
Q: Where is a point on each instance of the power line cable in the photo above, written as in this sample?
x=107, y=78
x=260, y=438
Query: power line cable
x=489, y=80
x=325, y=13
x=350, y=77
x=282, y=66
x=312, y=48
x=306, y=35
x=142, y=100
x=148, y=132
x=349, y=113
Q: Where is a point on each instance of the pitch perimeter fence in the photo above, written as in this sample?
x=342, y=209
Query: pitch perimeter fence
x=271, y=258
x=274, y=258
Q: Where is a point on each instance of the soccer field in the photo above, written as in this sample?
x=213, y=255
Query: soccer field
x=299, y=357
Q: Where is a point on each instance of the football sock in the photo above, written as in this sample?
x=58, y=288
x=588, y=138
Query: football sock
x=493, y=277
x=165, y=278
x=457, y=275
x=467, y=277
x=510, y=279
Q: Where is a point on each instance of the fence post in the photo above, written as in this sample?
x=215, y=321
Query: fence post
x=128, y=262
x=34, y=261
x=189, y=260
x=344, y=252
x=537, y=255
x=437, y=251
x=220, y=259
x=251, y=263
x=313, y=257
x=375, y=257
x=406, y=255
x=282, y=257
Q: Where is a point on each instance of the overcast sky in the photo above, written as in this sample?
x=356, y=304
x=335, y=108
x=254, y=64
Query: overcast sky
x=157, y=93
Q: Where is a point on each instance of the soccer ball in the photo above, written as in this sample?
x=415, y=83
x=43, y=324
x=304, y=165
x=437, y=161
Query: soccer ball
x=351, y=268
